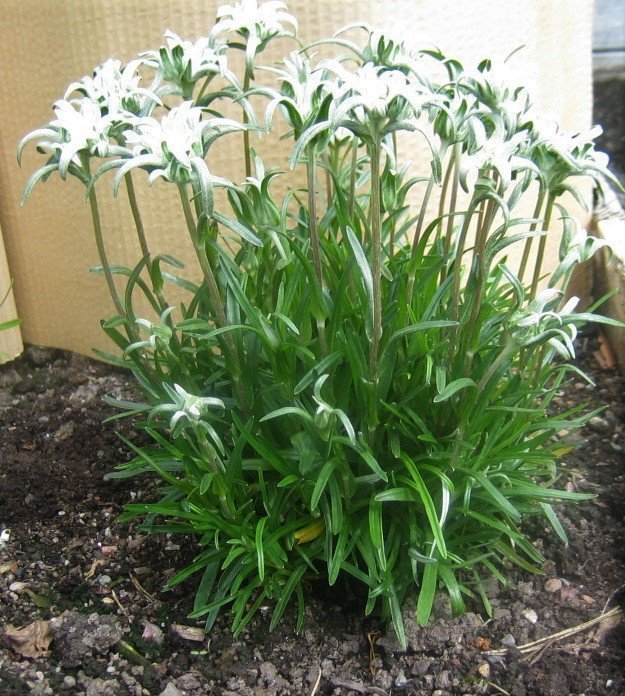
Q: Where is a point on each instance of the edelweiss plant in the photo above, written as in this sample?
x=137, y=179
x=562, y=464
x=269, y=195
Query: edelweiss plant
x=364, y=386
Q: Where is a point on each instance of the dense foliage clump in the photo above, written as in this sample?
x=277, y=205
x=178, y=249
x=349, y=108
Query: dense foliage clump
x=361, y=383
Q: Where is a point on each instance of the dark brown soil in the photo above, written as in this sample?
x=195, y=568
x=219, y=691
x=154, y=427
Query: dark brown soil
x=100, y=582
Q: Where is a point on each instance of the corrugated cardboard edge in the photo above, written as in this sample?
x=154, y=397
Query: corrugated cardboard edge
x=10, y=339
x=609, y=269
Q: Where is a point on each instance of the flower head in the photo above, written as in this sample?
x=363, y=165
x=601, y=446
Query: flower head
x=175, y=146
x=302, y=94
x=186, y=409
x=547, y=324
x=181, y=63
x=256, y=23
x=79, y=127
x=372, y=90
x=492, y=151
x=116, y=90
x=249, y=19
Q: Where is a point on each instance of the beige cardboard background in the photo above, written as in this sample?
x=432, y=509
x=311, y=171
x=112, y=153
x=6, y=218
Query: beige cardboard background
x=50, y=43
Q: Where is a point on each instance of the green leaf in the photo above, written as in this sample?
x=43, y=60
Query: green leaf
x=419, y=485
x=509, y=553
x=366, y=278
x=290, y=411
x=396, y=617
x=260, y=551
x=243, y=232
x=498, y=498
x=452, y=388
x=206, y=585
x=396, y=495
x=555, y=522
x=426, y=593
x=284, y=594
x=450, y=581
x=376, y=530
x=322, y=479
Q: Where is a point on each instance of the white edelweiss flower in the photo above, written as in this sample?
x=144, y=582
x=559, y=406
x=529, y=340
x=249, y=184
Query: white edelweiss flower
x=575, y=148
x=78, y=127
x=175, y=146
x=303, y=81
x=183, y=63
x=372, y=91
x=375, y=89
x=116, y=90
x=390, y=50
x=250, y=19
x=178, y=135
x=495, y=151
x=184, y=406
x=190, y=406
x=535, y=312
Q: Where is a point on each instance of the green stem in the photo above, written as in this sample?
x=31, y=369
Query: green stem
x=314, y=239
x=417, y=237
x=528, y=242
x=328, y=180
x=246, y=133
x=352, y=180
x=145, y=250
x=211, y=282
x=136, y=216
x=214, y=295
x=451, y=208
x=479, y=257
x=541, y=248
x=217, y=471
x=99, y=240
x=204, y=86
x=422, y=211
x=376, y=243
x=455, y=293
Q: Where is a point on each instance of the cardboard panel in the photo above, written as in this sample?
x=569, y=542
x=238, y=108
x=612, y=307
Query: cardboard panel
x=47, y=44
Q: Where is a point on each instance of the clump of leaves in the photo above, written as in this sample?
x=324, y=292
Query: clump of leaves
x=360, y=386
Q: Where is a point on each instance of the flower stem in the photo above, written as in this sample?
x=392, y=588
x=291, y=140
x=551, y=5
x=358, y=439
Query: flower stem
x=352, y=180
x=145, y=250
x=528, y=242
x=376, y=253
x=455, y=292
x=481, y=270
x=451, y=208
x=99, y=240
x=314, y=239
x=214, y=295
x=422, y=211
x=136, y=216
x=417, y=236
x=246, y=133
x=541, y=248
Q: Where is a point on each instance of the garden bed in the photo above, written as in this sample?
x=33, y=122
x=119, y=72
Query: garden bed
x=100, y=584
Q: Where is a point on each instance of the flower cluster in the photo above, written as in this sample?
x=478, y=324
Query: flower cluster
x=180, y=64
x=185, y=407
x=116, y=90
x=175, y=146
x=256, y=24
